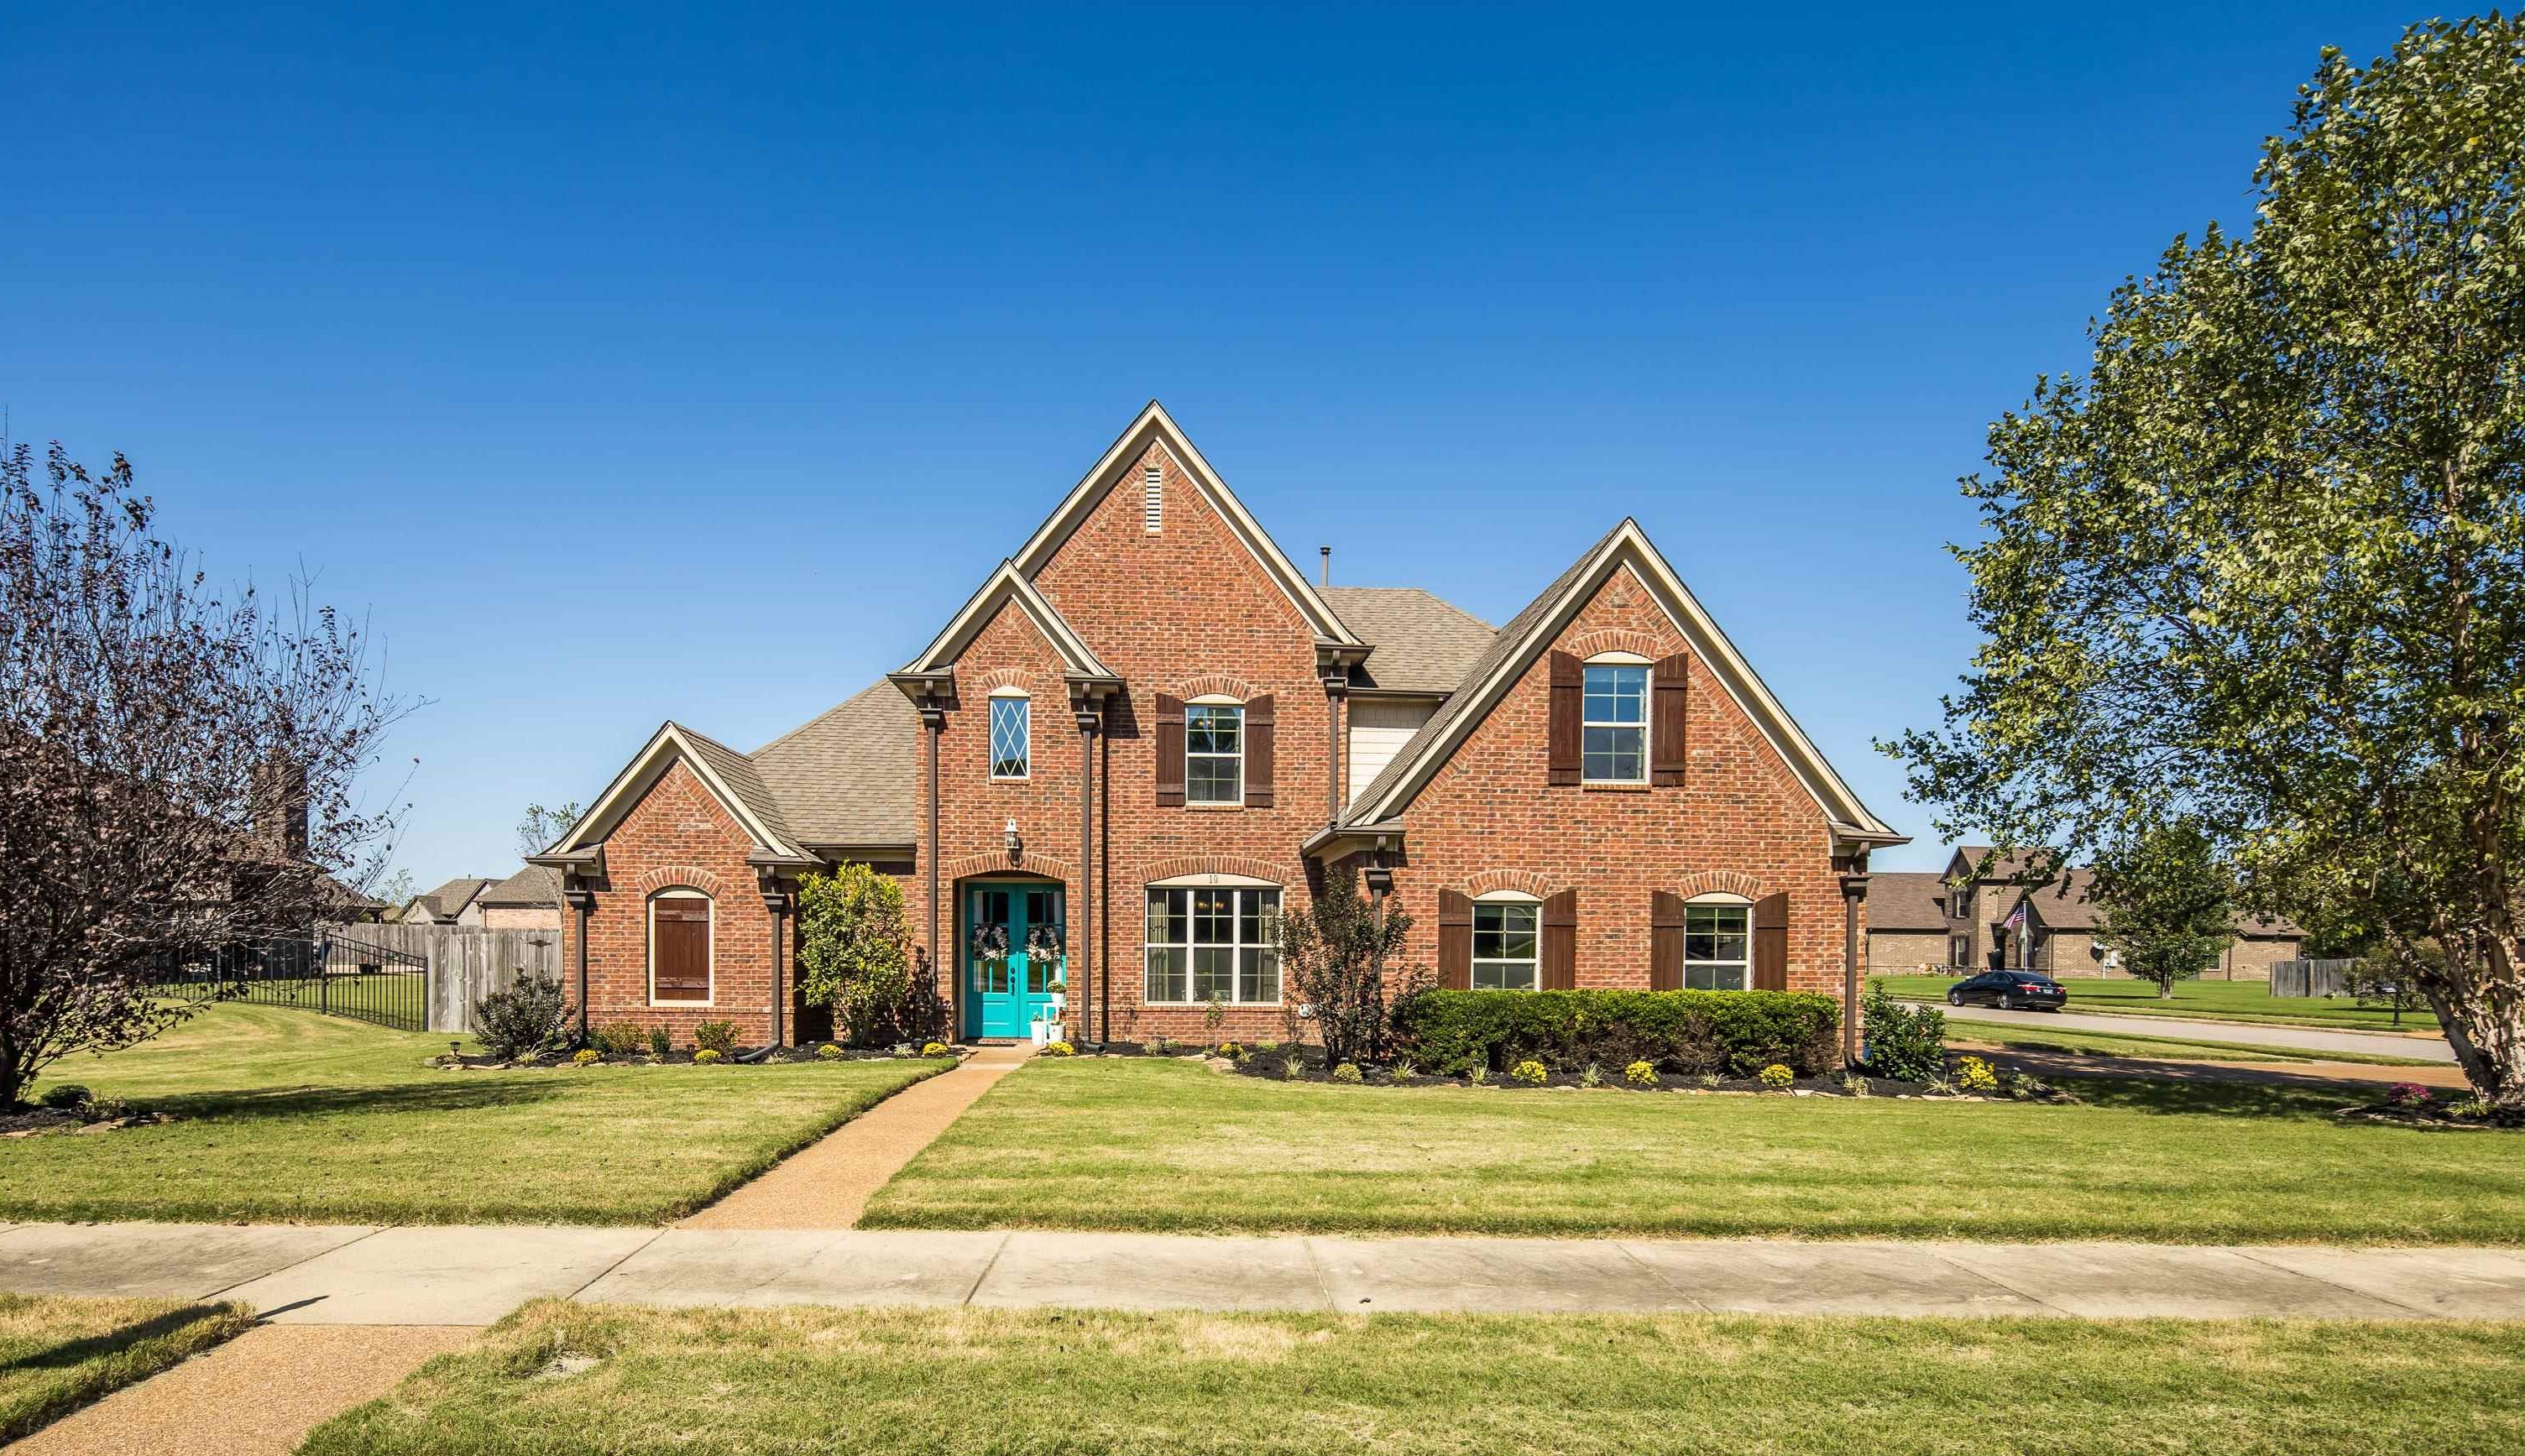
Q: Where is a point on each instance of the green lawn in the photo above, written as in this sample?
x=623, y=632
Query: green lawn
x=293, y=1117
x=2039, y=1037
x=2220, y=1000
x=1169, y=1145
x=558, y=1378
x=58, y=1354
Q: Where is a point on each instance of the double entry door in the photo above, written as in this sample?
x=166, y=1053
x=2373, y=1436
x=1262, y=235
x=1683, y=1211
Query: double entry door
x=1013, y=936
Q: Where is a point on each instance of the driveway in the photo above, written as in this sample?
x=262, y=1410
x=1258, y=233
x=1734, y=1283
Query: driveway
x=2232, y=1033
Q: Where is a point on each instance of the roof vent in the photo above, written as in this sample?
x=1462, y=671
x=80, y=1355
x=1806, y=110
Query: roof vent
x=1153, y=498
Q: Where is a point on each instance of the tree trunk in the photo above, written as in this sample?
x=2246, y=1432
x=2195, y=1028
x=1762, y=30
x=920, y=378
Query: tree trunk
x=2484, y=1012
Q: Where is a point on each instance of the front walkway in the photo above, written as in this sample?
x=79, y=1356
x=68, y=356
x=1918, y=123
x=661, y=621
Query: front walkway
x=457, y=1276
x=825, y=1186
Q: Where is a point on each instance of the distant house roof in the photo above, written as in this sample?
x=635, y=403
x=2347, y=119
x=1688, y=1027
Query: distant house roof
x=849, y=776
x=450, y=899
x=2014, y=868
x=2070, y=904
x=534, y=886
x=1907, y=899
x=1424, y=645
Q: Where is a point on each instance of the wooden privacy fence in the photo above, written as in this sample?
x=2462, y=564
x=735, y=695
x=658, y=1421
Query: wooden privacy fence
x=2311, y=977
x=464, y=963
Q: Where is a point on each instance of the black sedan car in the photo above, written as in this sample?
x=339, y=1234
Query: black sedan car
x=2009, y=991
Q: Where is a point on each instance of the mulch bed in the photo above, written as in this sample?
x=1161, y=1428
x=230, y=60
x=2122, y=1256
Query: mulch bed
x=681, y=1058
x=33, y=1122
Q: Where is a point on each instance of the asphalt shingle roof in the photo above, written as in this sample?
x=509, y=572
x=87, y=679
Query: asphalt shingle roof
x=447, y=900
x=1424, y=645
x=532, y=886
x=849, y=776
x=1906, y=899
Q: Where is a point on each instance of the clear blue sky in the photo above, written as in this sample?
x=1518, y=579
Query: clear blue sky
x=625, y=364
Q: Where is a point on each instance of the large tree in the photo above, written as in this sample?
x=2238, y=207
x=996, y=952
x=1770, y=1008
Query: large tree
x=2262, y=564
x=176, y=766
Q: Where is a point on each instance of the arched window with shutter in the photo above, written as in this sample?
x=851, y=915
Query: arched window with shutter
x=680, y=949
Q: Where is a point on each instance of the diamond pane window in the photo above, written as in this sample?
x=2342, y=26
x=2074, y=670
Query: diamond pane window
x=1009, y=721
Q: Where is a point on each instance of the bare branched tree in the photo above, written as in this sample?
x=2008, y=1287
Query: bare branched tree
x=176, y=766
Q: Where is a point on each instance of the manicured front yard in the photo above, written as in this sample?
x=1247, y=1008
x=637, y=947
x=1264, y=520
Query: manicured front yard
x=562, y=1378
x=58, y=1354
x=2217, y=1000
x=1171, y=1145
x=287, y=1116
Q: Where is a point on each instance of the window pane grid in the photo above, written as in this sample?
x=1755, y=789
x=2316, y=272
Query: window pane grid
x=1505, y=942
x=1214, y=942
x=1213, y=753
x=1718, y=947
x=1614, y=725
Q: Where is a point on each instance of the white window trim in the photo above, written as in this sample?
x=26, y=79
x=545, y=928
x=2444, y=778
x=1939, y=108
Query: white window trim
x=650, y=911
x=1186, y=944
x=991, y=749
x=1475, y=962
x=1647, y=712
x=1215, y=700
x=1719, y=898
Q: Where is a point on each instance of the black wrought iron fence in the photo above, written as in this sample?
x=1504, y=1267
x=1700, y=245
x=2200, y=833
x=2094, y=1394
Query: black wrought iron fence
x=333, y=974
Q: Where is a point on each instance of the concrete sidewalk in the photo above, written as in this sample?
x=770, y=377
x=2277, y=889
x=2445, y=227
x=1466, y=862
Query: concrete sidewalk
x=461, y=1276
x=2428, y=1049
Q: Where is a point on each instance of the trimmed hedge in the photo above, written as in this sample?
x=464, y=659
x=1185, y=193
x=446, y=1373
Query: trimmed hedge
x=1693, y=1032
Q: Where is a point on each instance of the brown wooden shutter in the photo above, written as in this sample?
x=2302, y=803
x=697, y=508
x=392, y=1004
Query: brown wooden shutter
x=1560, y=942
x=1666, y=720
x=1666, y=941
x=1170, y=751
x=1257, y=752
x=1771, y=942
x=1454, y=940
x=679, y=970
x=1568, y=709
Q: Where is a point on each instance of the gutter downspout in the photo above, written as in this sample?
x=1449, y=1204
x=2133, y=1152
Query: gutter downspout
x=1089, y=715
x=778, y=903
x=584, y=902
x=1853, y=892
x=934, y=719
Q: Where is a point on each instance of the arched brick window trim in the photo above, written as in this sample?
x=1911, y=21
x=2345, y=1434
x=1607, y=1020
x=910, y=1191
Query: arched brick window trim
x=1719, y=882
x=1523, y=882
x=1216, y=685
x=1003, y=677
x=1622, y=640
x=678, y=877
x=1215, y=864
x=967, y=866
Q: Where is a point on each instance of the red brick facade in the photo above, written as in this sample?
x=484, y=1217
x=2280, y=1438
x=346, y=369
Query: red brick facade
x=1190, y=610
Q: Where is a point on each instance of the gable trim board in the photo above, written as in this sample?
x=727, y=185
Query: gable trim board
x=672, y=744
x=1533, y=630
x=1079, y=662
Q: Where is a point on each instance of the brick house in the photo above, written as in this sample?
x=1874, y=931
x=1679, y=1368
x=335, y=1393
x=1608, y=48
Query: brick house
x=1147, y=735
x=1984, y=912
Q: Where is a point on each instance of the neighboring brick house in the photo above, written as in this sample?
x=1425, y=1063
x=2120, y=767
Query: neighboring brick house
x=1147, y=736
x=1908, y=929
x=1998, y=910
x=448, y=905
x=529, y=899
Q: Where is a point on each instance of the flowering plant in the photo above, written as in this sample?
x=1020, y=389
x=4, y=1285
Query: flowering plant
x=2408, y=1095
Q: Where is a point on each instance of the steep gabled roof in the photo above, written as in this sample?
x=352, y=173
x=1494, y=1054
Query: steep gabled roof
x=1154, y=426
x=729, y=776
x=849, y=778
x=1424, y=645
x=1907, y=899
x=534, y=885
x=449, y=900
x=1532, y=630
x=1008, y=584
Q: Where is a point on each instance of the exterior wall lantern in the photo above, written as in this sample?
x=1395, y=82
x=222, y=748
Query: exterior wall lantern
x=1016, y=842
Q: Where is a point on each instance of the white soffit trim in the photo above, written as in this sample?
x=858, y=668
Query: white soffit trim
x=646, y=767
x=1630, y=545
x=1008, y=584
x=1111, y=470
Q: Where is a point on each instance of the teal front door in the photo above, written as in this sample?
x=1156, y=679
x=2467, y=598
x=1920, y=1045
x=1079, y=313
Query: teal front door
x=1014, y=946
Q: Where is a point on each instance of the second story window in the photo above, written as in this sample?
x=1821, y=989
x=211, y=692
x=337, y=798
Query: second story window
x=1009, y=725
x=1614, y=749
x=1213, y=753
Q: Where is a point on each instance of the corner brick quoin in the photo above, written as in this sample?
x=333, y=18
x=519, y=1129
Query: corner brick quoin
x=1616, y=640
x=1523, y=882
x=1216, y=685
x=1215, y=864
x=969, y=866
x=1719, y=880
x=676, y=876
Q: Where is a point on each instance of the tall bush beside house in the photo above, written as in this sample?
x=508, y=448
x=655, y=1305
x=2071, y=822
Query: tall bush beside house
x=1908, y=1044
x=855, y=955
x=525, y=1020
x=2264, y=560
x=1335, y=961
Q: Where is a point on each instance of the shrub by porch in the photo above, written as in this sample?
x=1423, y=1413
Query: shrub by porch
x=1692, y=1032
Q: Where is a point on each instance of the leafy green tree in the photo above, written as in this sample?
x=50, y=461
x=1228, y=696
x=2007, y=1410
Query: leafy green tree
x=855, y=955
x=2262, y=565
x=2165, y=902
x=1334, y=959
